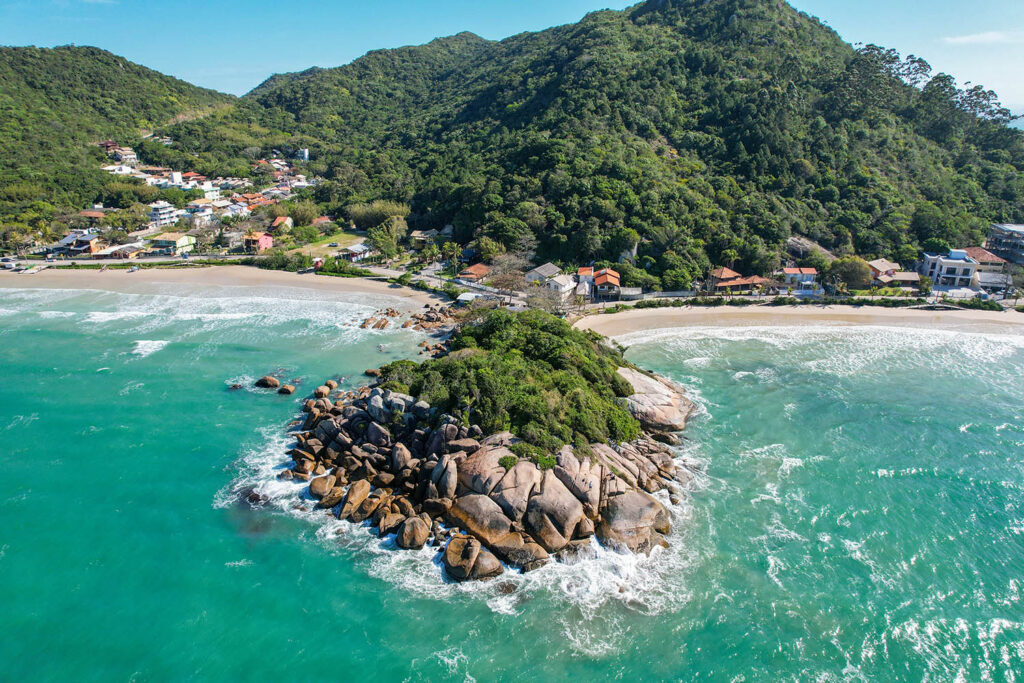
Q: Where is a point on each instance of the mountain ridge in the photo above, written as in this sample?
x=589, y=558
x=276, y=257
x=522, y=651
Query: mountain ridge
x=686, y=131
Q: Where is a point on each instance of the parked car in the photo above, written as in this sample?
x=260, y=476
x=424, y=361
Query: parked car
x=333, y=244
x=8, y=259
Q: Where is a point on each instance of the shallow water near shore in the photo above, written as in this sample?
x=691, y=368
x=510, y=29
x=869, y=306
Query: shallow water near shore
x=859, y=514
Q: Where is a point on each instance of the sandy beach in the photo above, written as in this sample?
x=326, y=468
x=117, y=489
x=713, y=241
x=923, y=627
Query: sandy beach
x=160, y=280
x=627, y=322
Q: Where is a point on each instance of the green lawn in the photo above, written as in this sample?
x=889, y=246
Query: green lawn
x=321, y=248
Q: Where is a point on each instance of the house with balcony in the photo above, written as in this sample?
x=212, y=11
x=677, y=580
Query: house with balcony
x=955, y=269
x=607, y=284
x=173, y=243
x=162, y=214
x=257, y=242
x=801, y=280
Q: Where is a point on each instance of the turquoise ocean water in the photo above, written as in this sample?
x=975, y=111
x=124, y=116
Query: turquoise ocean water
x=859, y=516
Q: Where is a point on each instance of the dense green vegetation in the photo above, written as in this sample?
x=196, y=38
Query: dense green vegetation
x=679, y=133
x=55, y=104
x=691, y=131
x=530, y=373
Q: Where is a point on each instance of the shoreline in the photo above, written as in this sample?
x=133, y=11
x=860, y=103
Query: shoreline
x=641, y=320
x=157, y=280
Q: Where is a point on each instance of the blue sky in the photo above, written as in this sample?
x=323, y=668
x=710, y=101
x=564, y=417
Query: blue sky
x=232, y=45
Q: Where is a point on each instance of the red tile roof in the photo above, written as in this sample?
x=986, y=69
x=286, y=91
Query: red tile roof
x=588, y=271
x=800, y=271
x=280, y=220
x=982, y=255
x=744, y=281
x=724, y=273
x=475, y=272
x=606, y=277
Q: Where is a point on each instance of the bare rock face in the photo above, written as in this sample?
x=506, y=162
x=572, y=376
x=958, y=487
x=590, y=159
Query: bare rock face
x=357, y=493
x=465, y=558
x=319, y=487
x=480, y=516
x=583, y=479
x=633, y=520
x=657, y=404
x=413, y=534
x=552, y=514
x=445, y=476
x=332, y=498
x=480, y=472
x=519, y=550
x=514, y=490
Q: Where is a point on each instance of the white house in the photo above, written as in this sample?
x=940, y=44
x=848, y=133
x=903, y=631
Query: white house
x=801, y=280
x=357, y=252
x=955, y=269
x=563, y=284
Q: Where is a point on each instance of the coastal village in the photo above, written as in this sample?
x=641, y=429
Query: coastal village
x=227, y=219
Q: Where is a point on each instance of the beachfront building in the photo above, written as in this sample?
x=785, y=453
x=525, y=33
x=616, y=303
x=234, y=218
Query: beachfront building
x=1006, y=241
x=541, y=274
x=801, y=280
x=987, y=261
x=998, y=284
x=475, y=273
x=607, y=284
x=882, y=268
x=955, y=269
x=256, y=242
x=162, y=214
x=67, y=243
x=173, y=243
x=357, y=252
x=726, y=280
x=122, y=251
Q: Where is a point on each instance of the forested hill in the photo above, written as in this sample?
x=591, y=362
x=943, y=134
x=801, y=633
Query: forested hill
x=696, y=131
x=709, y=130
x=54, y=103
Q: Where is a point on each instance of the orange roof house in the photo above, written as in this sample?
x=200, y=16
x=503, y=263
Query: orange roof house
x=475, y=273
x=606, y=278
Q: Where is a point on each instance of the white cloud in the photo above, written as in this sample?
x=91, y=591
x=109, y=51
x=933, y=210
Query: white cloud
x=987, y=38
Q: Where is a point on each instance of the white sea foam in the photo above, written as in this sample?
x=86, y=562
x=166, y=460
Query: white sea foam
x=146, y=347
x=647, y=584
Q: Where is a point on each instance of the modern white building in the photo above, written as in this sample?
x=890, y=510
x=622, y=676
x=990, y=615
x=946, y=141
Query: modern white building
x=162, y=214
x=955, y=269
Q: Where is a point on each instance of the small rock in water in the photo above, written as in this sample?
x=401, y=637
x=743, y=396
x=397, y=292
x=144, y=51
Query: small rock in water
x=235, y=387
x=268, y=382
x=287, y=390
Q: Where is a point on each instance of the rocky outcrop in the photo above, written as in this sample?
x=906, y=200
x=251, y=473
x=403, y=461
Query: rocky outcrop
x=268, y=382
x=659, y=405
x=429, y=479
x=465, y=558
x=634, y=520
